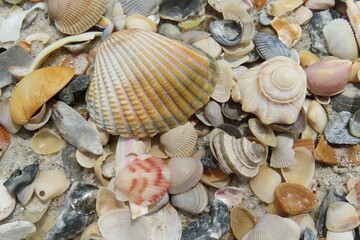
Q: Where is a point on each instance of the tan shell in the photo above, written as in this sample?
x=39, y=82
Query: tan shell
x=179, y=141
x=305, y=220
x=348, y=235
x=51, y=183
x=210, y=46
x=307, y=58
x=280, y=7
x=215, y=177
x=320, y=4
x=317, y=117
x=265, y=183
x=46, y=141
x=39, y=119
x=283, y=155
x=172, y=90
x=288, y=30
x=241, y=221
x=274, y=90
x=295, y=198
x=76, y=16
x=141, y=22
x=303, y=15
x=341, y=217
x=264, y=133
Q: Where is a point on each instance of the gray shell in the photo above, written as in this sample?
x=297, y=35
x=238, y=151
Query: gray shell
x=227, y=32
x=143, y=7
x=269, y=46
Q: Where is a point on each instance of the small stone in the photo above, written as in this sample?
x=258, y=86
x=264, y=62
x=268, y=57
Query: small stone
x=75, y=88
x=337, y=130
x=79, y=62
x=72, y=168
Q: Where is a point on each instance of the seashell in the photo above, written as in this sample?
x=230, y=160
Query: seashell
x=77, y=47
x=98, y=167
x=102, y=134
x=303, y=172
x=74, y=17
x=329, y=76
x=241, y=221
x=340, y=39
x=283, y=155
x=236, y=61
x=305, y=222
x=192, y=22
x=169, y=30
x=351, y=183
x=348, y=235
x=337, y=131
x=26, y=193
x=239, y=156
x=68, y=121
x=307, y=58
x=34, y=90
x=17, y=230
x=179, y=141
x=18, y=72
x=35, y=209
x=8, y=202
x=115, y=123
x=50, y=184
x=265, y=183
x=145, y=8
x=140, y=22
x=269, y=46
x=273, y=227
x=179, y=11
x=6, y=121
x=281, y=7
x=210, y=46
x=320, y=4
x=226, y=32
x=239, y=49
x=40, y=119
x=222, y=89
x=297, y=127
x=41, y=37
x=4, y=140
x=231, y=196
x=215, y=177
x=341, y=217
x=259, y=3
x=288, y=30
x=354, y=76
x=185, y=173
x=143, y=181
x=193, y=201
x=194, y=36
x=295, y=198
x=106, y=201
x=262, y=132
x=230, y=129
x=217, y=4
x=354, y=124
x=303, y=15
x=72, y=169
x=232, y=110
x=317, y=116
x=46, y=142
x=213, y=113
x=91, y=232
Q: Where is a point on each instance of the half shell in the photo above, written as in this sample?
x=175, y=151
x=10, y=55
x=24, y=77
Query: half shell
x=134, y=67
x=76, y=16
x=46, y=141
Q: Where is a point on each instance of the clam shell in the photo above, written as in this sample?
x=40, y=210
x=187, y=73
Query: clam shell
x=4, y=140
x=8, y=202
x=348, y=235
x=305, y=221
x=17, y=230
x=76, y=16
x=303, y=15
x=282, y=155
x=295, y=198
x=179, y=141
x=213, y=113
x=320, y=4
x=274, y=90
x=46, y=141
x=307, y=58
x=210, y=46
x=193, y=201
x=341, y=217
x=145, y=7
x=185, y=173
x=179, y=11
x=50, y=184
x=226, y=32
x=172, y=90
x=241, y=221
x=143, y=181
x=222, y=89
x=265, y=183
x=340, y=39
x=280, y=7
x=273, y=227
x=269, y=46
x=262, y=132
x=317, y=117
x=215, y=177
x=6, y=121
x=288, y=30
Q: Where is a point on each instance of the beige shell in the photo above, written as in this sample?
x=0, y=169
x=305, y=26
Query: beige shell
x=46, y=141
x=320, y=4
x=274, y=90
x=241, y=221
x=348, y=235
x=288, y=30
x=265, y=183
x=305, y=221
x=340, y=39
x=179, y=141
x=341, y=217
x=264, y=133
x=215, y=177
x=283, y=155
x=279, y=7
x=39, y=119
x=303, y=172
x=307, y=58
x=210, y=46
x=141, y=22
x=51, y=183
x=317, y=117
x=106, y=201
x=222, y=89
x=8, y=202
x=303, y=15
x=172, y=78
x=76, y=16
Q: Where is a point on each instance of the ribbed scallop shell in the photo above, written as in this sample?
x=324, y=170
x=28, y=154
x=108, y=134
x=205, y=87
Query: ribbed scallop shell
x=4, y=140
x=269, y=46
x=76, y=16
x=143, y=7
x=283, y=155
x=145, y=83
x=274, y=90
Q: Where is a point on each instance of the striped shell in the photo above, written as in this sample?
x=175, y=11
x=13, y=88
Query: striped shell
x=144, y=7
x=4, y=140
x=76, y=16
x=145, y=83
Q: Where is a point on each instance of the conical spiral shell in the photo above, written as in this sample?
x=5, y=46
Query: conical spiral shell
x=274, y=90
x=76, y=16
x=145, y=83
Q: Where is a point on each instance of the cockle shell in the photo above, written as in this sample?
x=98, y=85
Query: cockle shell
x=145, y=7
x=329, y=76
x=353, y=13
x=193, y=201
x=340, y=39
x=317, y=117
x=76, y=16
x=173, y=79
x=274, y=90
x=143, y=181
x=4, y=140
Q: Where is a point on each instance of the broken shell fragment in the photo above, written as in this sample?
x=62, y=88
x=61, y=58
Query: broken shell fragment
x=280, y=7
x=262, y=132
x=106, y=201
x=225, y=81
x=354, y=124
x=288, y=30
x=46, y=141
x=341, y=217
x=295, y=198
x=50, y=184
x=7, y=203
x=35, y=89
x=4, y=140
x=307, y=58
x=39, y=119
x=6, y=121
x=231, y=196
x=213, y=113
x=17, y=230
x=140, y=22
x=241, y=221
x=226, y=32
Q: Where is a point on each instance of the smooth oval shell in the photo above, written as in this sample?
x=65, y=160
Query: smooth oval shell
x=193, y=201
x=317, y=117
x=172, y=90
x=280, y=7
x=46, y=141
x=241, y=221
x=295, y=198
x=140, y=22
x=50, y=184
x=35, y=89
x=341, y=217
x=74, y=17
x=6, y=121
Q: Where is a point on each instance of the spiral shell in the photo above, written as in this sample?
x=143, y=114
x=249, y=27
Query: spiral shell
x=134, y=67
x=274, y=90
x=76, y=16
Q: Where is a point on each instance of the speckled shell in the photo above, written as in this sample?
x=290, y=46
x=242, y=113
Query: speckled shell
x=134, y=67
x=76, y=16
x=274, y=90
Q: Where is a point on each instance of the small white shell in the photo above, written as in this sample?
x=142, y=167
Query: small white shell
x=316, y=116
x=103, y=135
x=348, y=235
x=16, y=230
x=7, y=203
x=210, y=46
x=140, y=22
x=193, y=201
x=341, y=217
x=51, y=183
x=213, y=113
x=39, y=119
x=85, y=159
x=262, y=132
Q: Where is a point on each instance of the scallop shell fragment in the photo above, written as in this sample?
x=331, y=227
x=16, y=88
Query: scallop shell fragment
x=173, y=79
x=269, y=46
x=145, y=7
x=282, y=155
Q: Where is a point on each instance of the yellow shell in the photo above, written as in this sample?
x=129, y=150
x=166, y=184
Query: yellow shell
x=145, y=83
x=76, y=16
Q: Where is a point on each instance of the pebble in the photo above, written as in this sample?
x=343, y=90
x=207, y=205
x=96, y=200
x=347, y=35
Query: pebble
x=76, y=87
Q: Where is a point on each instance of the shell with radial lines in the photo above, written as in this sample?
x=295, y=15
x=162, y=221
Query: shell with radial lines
x=145, y=83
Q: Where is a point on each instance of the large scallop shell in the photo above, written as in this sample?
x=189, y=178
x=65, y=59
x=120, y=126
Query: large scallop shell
x=134, y=67
x=76, y=16
x=274, y=90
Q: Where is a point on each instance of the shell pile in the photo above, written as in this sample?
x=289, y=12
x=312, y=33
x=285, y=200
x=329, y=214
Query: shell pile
x=169, y=120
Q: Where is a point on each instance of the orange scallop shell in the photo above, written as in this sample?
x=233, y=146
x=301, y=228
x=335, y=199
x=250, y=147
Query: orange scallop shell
x=4, y=140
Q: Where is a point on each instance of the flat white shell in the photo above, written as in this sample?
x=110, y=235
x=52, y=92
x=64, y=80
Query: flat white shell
x=16, y=230
x=51, y=183
x=7, y=203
